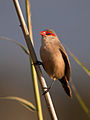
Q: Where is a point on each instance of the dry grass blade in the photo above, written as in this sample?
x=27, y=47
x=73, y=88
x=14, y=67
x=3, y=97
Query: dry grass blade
x=14, y=41
x=81, y=64
x=84, y=107
x=22, y=101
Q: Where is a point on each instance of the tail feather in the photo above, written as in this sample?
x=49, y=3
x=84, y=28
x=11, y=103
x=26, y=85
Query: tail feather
x=66, y=86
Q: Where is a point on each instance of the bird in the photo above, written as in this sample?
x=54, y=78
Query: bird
x=55, y=59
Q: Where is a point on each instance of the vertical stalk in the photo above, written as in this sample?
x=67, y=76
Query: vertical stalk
x=34, y=59
x=33, y=72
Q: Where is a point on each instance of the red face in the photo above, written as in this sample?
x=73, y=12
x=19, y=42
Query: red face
x=49, y=33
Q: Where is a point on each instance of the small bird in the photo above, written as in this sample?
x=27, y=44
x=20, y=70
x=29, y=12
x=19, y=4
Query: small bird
x=54, y=59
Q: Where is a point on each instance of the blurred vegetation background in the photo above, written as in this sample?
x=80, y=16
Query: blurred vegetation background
x=71, y=20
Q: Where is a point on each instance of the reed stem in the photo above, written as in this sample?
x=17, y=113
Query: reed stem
x=33, y=72
x=34, y=59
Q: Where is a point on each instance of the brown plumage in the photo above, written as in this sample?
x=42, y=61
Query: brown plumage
x=55, y=59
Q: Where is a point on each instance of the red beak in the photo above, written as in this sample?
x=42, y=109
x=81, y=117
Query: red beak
x=42, y=33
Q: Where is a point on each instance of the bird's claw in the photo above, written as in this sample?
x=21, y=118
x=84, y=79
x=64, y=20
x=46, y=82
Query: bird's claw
x=46, y=90
x=38, y=63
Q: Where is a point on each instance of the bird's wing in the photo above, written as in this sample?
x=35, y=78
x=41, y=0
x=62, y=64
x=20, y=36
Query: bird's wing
x=67, y=63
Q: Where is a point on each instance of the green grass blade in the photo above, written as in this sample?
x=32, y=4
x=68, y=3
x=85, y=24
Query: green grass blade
x=81, y=64
x=84, y=107
x=22, y=101
x=14, y=41
x=33, y=71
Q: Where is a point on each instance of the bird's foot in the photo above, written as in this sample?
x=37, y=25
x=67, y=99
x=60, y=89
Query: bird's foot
x=47, y=90
x=38, y=63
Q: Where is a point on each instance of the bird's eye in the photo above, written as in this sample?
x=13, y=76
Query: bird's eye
x=48, y=33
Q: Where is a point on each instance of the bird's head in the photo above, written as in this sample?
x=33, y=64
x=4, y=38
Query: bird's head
x=48, y=33
x=49, y=36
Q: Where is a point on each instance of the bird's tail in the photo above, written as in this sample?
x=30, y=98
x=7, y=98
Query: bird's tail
x=66, y=86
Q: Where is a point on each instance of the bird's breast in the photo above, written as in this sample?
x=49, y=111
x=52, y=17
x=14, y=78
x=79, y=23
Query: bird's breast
x=53, y=61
